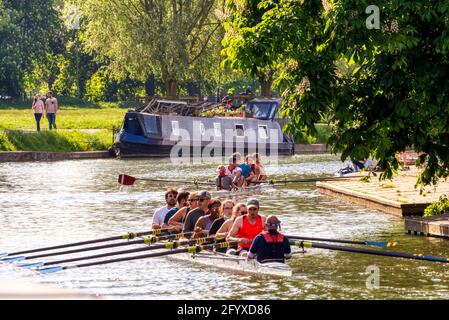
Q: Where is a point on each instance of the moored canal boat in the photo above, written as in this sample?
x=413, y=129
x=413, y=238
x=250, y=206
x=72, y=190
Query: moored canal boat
x=177, y=129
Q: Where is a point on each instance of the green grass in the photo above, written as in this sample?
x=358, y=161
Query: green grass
x=55, y=141
x=323, y=134
x=74, y=116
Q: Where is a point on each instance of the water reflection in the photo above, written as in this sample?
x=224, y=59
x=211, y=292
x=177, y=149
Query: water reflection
x=59, y=202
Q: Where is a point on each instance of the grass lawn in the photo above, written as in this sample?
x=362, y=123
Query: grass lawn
x=73, y=115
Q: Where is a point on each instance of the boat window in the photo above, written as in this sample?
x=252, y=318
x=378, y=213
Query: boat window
x=132, y=126
x=175, y=128
x=151, y=125
x=263, y=111
x=263, y=132
x=217, y=129
x=239, y=130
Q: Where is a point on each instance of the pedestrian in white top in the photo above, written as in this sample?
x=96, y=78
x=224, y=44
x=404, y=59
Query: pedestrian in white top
x=38, y=108
x=159, y=214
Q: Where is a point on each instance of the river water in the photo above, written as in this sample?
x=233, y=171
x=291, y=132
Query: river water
x=49, y=203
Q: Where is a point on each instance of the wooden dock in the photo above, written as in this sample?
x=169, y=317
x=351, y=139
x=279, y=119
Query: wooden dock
x=397, y=196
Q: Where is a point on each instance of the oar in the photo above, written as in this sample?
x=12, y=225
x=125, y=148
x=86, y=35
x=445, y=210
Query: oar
x=273, y=181
x=368, y=243
x=307, y=244
x=191, y=249
x=168, y=245
x=126, y=236
x=127, y=180
x=148, y=240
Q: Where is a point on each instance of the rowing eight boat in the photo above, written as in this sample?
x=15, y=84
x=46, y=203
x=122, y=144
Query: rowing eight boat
x=235, y=263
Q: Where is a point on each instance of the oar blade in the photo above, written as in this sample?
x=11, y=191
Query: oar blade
x=32, y=265
x=126, y=180
x=381, y=244
x=50, y=270
x=13, y=259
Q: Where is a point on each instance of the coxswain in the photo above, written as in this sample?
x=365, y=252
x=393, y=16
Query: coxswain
x=247, y=227
x=270, y=245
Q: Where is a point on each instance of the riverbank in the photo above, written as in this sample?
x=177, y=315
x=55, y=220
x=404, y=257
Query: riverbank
x=397, y=196
x=21, y=156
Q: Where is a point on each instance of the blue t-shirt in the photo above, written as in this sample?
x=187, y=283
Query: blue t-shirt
x=246, y=169
x=272, y=251
x=170, y=214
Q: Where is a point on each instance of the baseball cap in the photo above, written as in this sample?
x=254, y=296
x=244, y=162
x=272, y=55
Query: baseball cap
x=252, y=202
x=204, y=194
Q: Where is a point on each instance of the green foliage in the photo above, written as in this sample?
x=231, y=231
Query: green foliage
x=26, y=30
x=440, y=207
x=323, y=132
x=173, y=39
x=246, y=41
x=95, y=88
x=380, y=90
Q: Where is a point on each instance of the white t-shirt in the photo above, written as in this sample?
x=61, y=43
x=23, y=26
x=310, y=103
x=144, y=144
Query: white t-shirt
x=159, y=215
x=233, y=172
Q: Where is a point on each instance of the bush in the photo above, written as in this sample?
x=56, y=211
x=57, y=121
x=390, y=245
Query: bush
x=439, y=207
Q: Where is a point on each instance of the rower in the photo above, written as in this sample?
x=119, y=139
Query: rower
x=232, y=174
x=270, y=245
x=177, y=221
x=181, y=200
x=225, y=215
x=204, y=223
x=247, y=227
x=193, y=216
x=159, y=214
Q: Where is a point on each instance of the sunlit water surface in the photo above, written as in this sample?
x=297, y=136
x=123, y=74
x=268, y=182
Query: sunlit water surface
x=49, y=203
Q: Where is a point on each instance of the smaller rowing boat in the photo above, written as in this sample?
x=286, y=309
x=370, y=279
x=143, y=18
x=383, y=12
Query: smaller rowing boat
x=235, y=263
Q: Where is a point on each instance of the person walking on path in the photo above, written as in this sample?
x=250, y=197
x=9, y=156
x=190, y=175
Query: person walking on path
x=51, y=108
x=38, y=108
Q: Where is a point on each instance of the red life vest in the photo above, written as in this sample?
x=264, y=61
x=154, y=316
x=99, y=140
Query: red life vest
x=273, y=238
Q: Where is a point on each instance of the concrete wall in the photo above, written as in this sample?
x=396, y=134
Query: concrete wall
x=50, y=156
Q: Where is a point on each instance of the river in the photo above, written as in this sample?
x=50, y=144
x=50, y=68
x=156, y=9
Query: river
x=49, y=203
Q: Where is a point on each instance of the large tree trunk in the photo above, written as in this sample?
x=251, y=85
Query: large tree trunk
x=266, y=81
x=150, y=86
x=171, y=87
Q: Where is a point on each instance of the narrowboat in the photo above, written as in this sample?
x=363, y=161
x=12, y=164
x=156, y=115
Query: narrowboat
x=178, y=129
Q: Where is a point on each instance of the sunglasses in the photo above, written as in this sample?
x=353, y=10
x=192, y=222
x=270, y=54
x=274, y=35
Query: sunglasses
x=191, y=200
x=244, y=212
x=202, y=200
x=253, y=209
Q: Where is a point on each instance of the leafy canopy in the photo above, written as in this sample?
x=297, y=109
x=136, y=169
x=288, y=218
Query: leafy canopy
x=381, y=90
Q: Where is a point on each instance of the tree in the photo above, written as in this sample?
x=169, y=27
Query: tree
x=397, y=94
x=245, y=45
x=169, y=39
x=26, y=28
